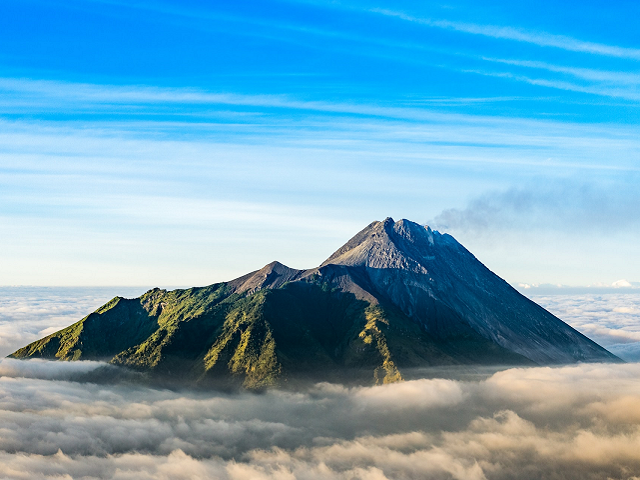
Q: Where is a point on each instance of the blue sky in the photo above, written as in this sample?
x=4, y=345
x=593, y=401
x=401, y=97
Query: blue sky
x=183, y=143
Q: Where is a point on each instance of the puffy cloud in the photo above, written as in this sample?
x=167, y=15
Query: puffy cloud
x=423, y=393
x=36, y=368
x=568, y=422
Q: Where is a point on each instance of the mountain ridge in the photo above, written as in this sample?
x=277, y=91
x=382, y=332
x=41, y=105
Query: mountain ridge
x=396, y=296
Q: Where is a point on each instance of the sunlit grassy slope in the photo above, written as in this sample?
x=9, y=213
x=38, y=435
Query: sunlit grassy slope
x=302, y=330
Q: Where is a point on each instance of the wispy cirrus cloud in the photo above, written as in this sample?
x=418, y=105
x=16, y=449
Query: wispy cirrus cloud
x=542, y=39
x=40, y=94
x=37, y=97
x=612, y=77
x=606, y=84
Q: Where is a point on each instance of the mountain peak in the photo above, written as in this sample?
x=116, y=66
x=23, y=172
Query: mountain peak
x=402, y=245
x=272, y=275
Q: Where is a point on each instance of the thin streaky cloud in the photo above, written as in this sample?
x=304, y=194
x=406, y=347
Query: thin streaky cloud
x=107, y=94
x=601, y=90
x=462, y=100
x=41, y=94
x=511, y=141
x=590, y=74
x=542, y=39
x=594, y=90
x=570, y=142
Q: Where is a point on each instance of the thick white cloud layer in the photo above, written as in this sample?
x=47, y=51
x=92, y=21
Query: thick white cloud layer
x=577, y=422
x=611, y=319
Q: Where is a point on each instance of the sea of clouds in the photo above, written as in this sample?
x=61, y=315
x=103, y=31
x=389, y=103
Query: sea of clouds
x=610, y=319
x=574, y=422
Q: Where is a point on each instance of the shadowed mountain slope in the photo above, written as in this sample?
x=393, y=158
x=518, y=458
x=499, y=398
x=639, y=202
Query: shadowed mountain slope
x=437, y=282
x=397, y=295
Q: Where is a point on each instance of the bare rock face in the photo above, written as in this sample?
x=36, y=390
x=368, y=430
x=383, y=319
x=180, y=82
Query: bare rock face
x=396, y=296
x=273, y=275
x=402, y=245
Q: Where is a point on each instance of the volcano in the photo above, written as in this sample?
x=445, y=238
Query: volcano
x=395, y=297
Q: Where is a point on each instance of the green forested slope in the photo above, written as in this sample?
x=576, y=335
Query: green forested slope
x=211, y=335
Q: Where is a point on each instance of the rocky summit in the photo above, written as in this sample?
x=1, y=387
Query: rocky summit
x=397, y=296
